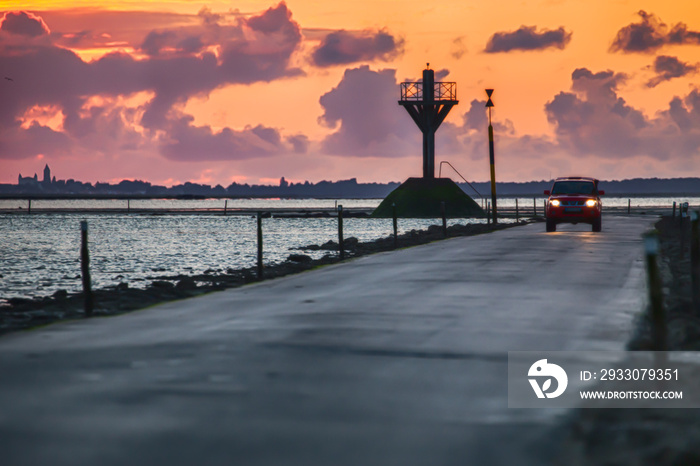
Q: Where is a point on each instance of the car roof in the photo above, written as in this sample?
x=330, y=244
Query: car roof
x=576, y=178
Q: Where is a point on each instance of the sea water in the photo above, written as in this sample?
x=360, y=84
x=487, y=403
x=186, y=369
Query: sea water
x=40, y=253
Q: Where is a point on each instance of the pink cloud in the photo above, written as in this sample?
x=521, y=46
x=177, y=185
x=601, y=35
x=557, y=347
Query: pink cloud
x=24, y=24
x=179, y=65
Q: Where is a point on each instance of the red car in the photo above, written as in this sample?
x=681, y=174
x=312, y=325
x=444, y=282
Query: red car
x=574, y=200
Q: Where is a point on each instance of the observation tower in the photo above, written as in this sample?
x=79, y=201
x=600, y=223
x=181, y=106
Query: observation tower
x=428, y=103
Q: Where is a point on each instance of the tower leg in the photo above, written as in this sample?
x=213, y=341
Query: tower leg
x=428, y=154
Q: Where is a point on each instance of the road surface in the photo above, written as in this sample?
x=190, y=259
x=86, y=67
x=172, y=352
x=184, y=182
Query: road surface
x=395, y=358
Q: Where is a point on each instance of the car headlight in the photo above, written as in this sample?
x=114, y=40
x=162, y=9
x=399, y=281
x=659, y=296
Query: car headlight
x=591, y=202
x=555, y=203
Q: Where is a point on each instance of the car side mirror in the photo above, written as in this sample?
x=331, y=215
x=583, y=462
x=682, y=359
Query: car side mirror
x=601, y=192
x=546, y=192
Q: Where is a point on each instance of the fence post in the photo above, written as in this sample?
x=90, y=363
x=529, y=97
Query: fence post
x=29, y=206
x=260, y=247
x=488, y=213
x=629, y=206
x=128, y=206
x=517, y=214
x=85, y=269
x=674, y=210
x=341, y=243
x=534, y=206
x=695, y=259
x=658, y=319
x=225, y=206
x=444, y=218
x=396, y=229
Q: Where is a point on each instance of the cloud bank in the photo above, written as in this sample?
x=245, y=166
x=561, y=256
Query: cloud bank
x=668, y=68
x=528, y=38
x=650, y=34
x=177, y=64
x=347, y=47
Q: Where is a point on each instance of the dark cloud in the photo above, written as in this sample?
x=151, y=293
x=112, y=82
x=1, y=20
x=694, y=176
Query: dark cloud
x=650, y=34
x=346, y=47
x=20, y=143
x=667, y=68
x=299, y=142
x=179, y=65
x=187, y=142
x=441, y=74
x=24, y=24
x=527, y=38
x=364, y=109
x=594, y=120
x=458, y=49
x=681, y=35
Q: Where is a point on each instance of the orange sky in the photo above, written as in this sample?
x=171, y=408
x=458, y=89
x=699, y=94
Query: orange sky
x=272, y=121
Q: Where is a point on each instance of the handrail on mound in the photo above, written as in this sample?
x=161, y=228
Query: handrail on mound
x=460, y=175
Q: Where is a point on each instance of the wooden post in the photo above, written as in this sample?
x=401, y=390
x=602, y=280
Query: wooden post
x=341, y=244
x=85, y=269
x=695, y=260
x=225, y=206
x=658, y=318
x=444, y=219
x=488, y=213
x=128, y=206
x=629, y=206
x=260, y=247
x=534, y=206
x=29, y=206
x=396, y=229
x=674, y=210
x=517, y=214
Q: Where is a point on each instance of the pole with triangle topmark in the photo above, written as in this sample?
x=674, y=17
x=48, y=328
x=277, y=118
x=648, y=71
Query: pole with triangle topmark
x=489, y=105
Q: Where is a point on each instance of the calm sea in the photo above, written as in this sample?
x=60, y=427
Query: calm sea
x=39, y=253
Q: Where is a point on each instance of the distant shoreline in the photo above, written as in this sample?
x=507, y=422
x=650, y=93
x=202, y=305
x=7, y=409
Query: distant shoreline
x=188, y=197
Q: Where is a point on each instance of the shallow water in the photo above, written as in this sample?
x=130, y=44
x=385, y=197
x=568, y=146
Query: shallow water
x=39, y=253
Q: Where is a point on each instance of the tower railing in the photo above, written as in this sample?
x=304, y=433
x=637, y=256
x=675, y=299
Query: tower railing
x=441, y=91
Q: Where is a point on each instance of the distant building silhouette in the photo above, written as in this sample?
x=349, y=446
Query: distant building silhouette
x=283, y=183
x=47, y=175
x=28, y=180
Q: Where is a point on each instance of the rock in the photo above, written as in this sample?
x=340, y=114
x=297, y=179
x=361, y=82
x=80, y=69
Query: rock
x=186, y=283
x=122, y=286
x=299, y=258
x=329, y=245
x=60, y=294
x=351, y=242
x=162, y=284
x=18, y=301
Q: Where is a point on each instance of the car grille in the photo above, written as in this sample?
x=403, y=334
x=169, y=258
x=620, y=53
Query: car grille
x=572, y=203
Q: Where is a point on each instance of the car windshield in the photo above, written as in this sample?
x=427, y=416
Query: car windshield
x=573, y=187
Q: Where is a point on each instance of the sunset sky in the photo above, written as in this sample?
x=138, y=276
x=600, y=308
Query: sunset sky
x=250, y=91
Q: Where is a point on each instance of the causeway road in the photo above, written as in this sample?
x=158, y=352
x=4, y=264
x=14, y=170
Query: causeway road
x=398, y=358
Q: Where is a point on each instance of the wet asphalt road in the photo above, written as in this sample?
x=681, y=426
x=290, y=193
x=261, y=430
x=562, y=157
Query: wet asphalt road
x=395, y=358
